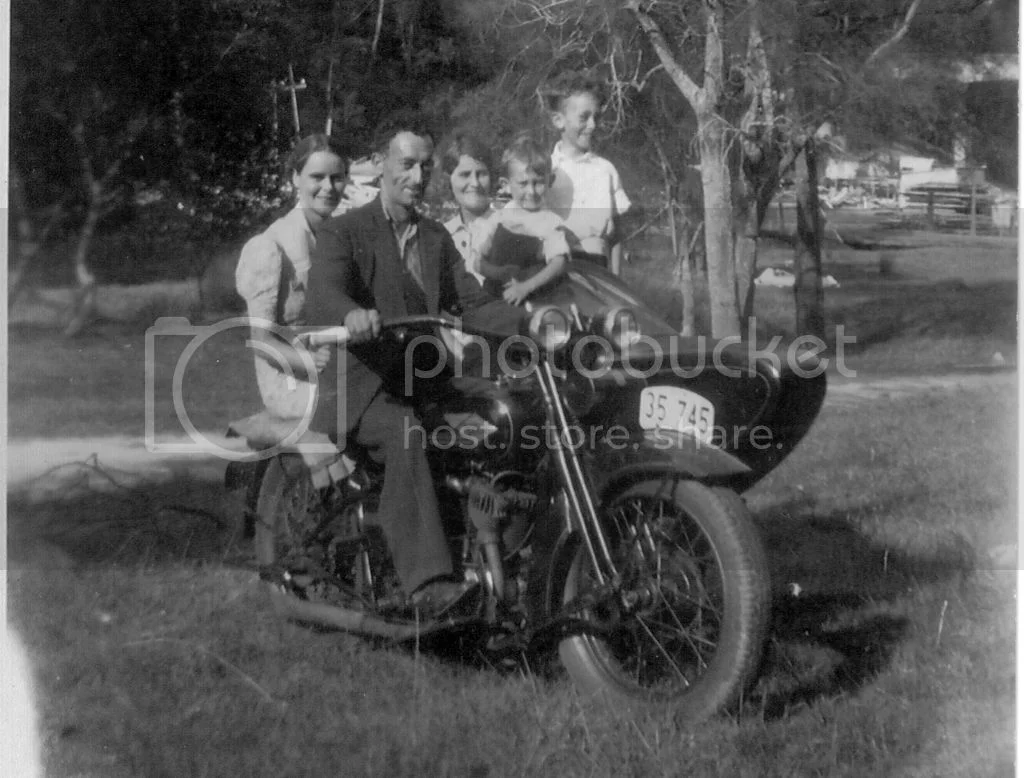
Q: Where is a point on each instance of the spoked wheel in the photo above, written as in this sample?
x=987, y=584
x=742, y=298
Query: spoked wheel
x=296, y=530
x=288, y=509
x=688, y=624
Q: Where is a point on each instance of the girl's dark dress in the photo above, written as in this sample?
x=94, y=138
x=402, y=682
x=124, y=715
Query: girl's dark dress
x=522, y=254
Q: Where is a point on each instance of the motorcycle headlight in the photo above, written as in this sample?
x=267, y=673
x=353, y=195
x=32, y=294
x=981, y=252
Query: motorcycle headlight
x=550, y=327
x=621, y=328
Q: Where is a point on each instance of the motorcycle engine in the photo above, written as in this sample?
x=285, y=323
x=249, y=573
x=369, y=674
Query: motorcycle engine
x=497, y=507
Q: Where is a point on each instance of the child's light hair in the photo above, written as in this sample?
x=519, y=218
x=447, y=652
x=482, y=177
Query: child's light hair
x=526, y=151
x=561, y=88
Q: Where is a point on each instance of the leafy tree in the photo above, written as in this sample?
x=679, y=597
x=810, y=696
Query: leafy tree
x=760, y=81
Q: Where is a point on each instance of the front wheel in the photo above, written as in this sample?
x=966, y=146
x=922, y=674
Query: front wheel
x=688, y=624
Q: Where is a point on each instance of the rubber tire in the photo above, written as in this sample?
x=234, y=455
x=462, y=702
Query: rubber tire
x=735, y=542
x=285, y=475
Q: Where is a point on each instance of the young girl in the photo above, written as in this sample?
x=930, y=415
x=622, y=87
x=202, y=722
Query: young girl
x=273, y=271
x=525, y=246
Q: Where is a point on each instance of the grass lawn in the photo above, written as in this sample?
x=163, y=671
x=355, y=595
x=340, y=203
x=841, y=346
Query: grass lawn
x=155, y=656
x=891, y=534
x=914, y=301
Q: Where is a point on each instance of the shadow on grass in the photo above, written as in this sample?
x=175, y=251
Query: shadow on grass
x=945, y=309
x=838, y=613
x=834, y=637
x=176, y=519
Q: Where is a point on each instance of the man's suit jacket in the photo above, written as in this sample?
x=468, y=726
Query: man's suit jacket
x=356, y=264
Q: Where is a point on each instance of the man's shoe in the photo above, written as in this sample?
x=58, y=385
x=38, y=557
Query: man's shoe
x=442, y=597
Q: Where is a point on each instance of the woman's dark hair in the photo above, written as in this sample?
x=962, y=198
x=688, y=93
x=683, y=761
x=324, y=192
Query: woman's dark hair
x=462, y=144
x=529, y=153
x=309, y=146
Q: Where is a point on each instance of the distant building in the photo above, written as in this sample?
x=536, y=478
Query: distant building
x=989, y=155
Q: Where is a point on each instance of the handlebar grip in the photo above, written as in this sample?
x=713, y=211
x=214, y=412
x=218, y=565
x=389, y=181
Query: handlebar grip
x=332, y=336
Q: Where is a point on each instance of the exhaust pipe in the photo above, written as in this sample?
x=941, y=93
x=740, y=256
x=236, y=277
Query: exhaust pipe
x=350, y=620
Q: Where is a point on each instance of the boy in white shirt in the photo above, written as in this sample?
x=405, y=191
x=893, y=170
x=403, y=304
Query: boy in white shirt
x=525, y=245
x=586, y=190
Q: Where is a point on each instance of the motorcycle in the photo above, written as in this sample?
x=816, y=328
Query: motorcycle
x=593, y=492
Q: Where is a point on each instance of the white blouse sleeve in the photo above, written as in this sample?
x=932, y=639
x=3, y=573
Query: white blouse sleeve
x=258, y=277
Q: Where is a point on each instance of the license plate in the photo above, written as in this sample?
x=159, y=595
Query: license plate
x=672, y=408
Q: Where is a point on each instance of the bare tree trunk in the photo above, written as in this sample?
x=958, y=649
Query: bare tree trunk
x=85, y=299
x=756, y=202
x=378, y=26
x=687, y=274
x=718, y=225
x=808, y=292
x=714, y=172
x=28, y=242
x=682, y=242
x=748, y=229
x=407, y=14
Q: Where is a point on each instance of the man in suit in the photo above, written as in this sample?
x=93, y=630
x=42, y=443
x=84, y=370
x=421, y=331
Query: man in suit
x=380, y=261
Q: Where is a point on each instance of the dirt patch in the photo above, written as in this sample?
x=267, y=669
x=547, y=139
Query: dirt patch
x=40, y=470
x=856, y=391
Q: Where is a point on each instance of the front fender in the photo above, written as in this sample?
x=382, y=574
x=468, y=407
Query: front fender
x=664, y=453
x=613, y=465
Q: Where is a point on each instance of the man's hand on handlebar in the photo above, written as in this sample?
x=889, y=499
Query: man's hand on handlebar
x=362, y=325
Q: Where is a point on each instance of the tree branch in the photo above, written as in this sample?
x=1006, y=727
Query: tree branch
x=897, y=36
x=759, y=118
x=714, y=56
x=378, y=26
x=686, y=85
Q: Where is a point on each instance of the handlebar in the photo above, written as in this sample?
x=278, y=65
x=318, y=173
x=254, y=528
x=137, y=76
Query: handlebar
x=339, y=336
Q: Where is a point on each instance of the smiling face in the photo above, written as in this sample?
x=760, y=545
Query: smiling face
x=526, y=185
x=406, y=169
x=577, y=120
x=471, y=185
x=320, y=184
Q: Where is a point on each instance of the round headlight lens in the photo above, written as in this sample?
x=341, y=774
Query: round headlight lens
x=550, y=327
x=621, y=328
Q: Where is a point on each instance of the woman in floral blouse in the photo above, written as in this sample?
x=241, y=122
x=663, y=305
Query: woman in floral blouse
x=273, y=271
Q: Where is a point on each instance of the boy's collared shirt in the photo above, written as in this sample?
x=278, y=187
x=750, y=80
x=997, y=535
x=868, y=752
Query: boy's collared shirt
x=587, y=193
x=473, y=240
x=545, y=225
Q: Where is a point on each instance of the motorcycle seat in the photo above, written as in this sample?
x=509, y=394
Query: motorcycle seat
x=264, y=430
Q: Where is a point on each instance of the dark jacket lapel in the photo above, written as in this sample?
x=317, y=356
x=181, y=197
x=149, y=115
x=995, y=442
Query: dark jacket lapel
x=387, y=285
x=430, y=264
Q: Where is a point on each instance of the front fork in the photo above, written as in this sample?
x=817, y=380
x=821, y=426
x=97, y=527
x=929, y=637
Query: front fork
x=578, y=487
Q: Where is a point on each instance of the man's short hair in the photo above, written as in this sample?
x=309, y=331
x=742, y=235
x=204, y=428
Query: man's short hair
x=525, y=150
x=396, y=124
x=564, y=86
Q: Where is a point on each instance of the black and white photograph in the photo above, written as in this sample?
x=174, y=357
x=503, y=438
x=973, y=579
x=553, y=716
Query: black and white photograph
x=486, y=388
